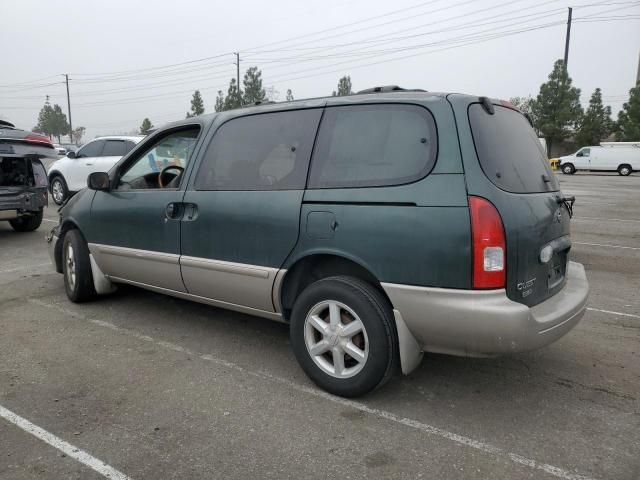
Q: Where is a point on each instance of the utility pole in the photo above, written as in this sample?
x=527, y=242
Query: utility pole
x=237, y=54
x=66, y=77
x=566, y=41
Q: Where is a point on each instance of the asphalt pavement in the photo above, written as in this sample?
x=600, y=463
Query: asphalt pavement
x=137, y=385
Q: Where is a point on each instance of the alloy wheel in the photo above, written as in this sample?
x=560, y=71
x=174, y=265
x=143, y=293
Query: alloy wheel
x=57, y=191
x=70, y=266
x=336, y=339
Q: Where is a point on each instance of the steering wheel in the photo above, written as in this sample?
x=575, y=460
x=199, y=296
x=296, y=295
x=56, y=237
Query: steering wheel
x=166, y=169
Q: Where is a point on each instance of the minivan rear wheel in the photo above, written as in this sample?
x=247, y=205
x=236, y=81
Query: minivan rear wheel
x=343, y=335
x=568, y=169
x=624, y=170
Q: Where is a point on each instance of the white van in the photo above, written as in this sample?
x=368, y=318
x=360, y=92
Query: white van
x=621, y=157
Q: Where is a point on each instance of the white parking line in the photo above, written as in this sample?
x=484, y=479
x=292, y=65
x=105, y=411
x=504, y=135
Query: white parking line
x=613, y=313
x=383, y=414
x=606, y=219
x=65, y=447
x=47, y=220
x=605, y=245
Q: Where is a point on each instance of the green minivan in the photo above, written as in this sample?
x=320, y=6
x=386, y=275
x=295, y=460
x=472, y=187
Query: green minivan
x=378, y=225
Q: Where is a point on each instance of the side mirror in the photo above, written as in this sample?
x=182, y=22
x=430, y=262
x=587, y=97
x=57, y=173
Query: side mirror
x=579, y=154
x=99, y=181
x=71, y=154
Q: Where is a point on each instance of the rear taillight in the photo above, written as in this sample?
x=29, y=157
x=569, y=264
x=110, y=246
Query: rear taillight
x=487, y=231
x=33, y=138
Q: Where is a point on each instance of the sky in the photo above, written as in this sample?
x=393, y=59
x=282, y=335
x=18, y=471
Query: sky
x=128, y=60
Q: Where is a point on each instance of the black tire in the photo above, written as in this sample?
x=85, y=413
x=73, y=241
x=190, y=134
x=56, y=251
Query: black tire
x=375, y=314
x=79, y=287
x=568, y=168
x=625, y=170
x=58, y=184
x=28, y=223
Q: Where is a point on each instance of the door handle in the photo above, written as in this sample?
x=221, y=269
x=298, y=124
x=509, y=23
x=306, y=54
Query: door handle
x=88, y=163
x=190, y=212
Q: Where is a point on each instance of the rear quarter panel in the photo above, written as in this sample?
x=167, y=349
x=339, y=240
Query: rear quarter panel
x=417, y=234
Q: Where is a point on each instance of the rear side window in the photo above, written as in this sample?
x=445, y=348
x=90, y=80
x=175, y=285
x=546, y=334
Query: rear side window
x=114, y=148
x=509, y=151
x=269, y=151
x=373, y=145
x=92, y=149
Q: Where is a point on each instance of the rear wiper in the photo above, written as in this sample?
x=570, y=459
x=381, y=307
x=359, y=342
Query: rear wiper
x=568, y=202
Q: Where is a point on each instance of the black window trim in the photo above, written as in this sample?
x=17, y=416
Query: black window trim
x=132, y=156
x=213, y=134
x=418, y=178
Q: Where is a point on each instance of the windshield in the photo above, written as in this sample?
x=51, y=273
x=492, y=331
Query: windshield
x=509, y=151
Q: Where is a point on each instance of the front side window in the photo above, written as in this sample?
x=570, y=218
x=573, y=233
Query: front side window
x=114, y=148
x=162, y=163
x=91, y=149
x=373, y=145
x=584, y=152
x=269, y=151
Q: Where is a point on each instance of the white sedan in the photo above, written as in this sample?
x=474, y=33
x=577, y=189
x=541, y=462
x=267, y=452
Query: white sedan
x=69, y=174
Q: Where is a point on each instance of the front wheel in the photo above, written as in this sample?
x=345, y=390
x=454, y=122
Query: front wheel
x=76, y=267
x=343, y=335
x=568, y=169
x=59, y=190
x=624, y=170
x=27, y=223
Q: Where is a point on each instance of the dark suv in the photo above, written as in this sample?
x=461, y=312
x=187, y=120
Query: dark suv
x=378, y=225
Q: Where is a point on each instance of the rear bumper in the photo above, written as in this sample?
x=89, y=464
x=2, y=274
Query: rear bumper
x=486, y=323
x=24, y=202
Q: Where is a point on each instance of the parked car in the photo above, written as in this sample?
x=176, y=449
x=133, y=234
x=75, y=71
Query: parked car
x=378, y=225
x=62, y=151
x=23, y=180
x=69, y=174
x=621, y=157
x=70, y=147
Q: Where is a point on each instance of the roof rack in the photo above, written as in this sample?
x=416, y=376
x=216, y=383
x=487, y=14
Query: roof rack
x=388, y=88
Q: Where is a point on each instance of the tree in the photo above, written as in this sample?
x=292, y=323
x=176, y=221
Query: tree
x=219, y=106
x=44, y=119
x=59, y=125
x=197, y=105
x=234, y=96
x=557, y=106
x=628, y=126
x=78, y=133
x=146, y=127
x=52, y=121
x=596, y=123
x=253, y=91
x=344, y=87
x=289, y=95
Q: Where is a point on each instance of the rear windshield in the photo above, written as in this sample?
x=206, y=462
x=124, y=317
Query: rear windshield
x=509, y=151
